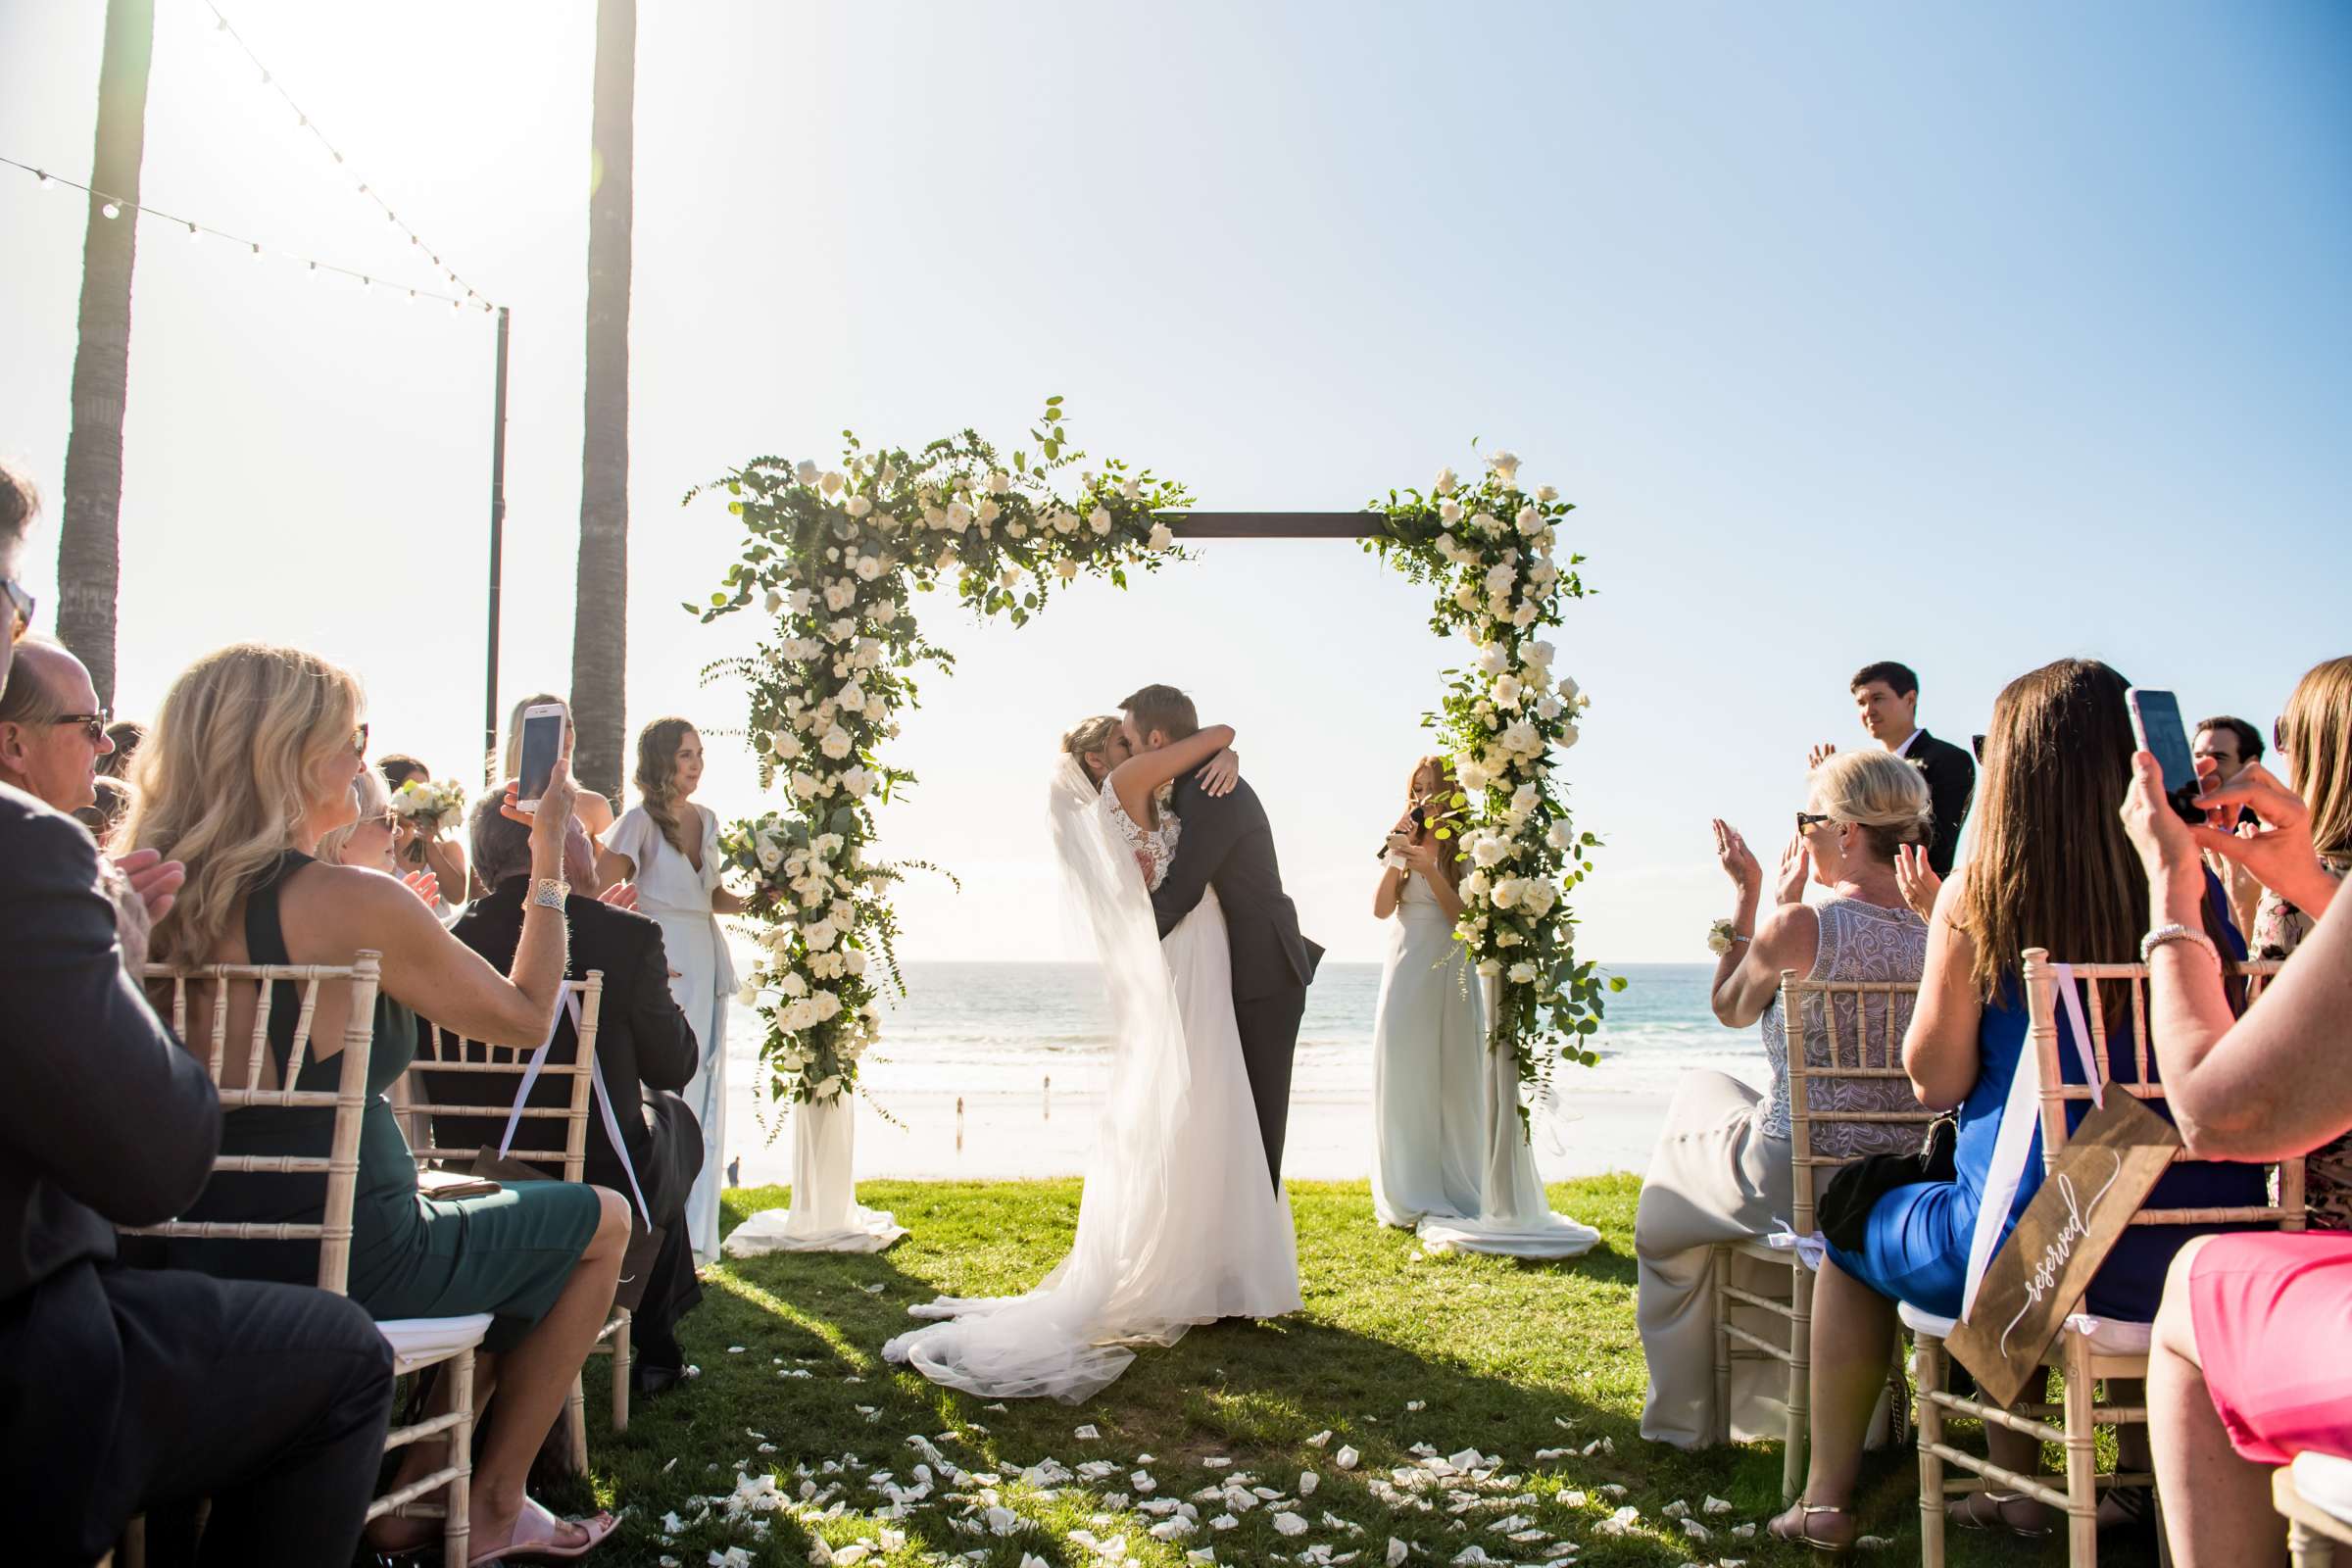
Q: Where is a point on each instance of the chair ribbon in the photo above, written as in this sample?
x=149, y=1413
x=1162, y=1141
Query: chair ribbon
x=595, y=1082
x=2021, y=1114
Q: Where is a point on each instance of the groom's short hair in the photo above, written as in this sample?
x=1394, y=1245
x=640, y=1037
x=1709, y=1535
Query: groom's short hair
x=1164, y=709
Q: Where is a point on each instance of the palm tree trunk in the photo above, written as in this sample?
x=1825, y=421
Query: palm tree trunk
x=600, y=625
x=89, y=556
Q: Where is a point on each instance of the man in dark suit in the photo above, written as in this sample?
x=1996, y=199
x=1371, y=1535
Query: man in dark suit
x=125, y=1391
x=1228, y=843
x=646, y=1049
x=1886, y=697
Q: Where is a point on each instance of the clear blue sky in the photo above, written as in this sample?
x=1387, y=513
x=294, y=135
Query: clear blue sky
x=1970, y=336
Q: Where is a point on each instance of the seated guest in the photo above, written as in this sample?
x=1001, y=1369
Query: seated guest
x=1721, y=1171
x=110, y=804
x=647, y=1051
x=126, y=733
x=125, y=1391
x=2315, y=736
x=2051, y=869
x=52, y=727
x=2247, y=1368
x=421, y=846
x=251, y=762
x=1886, y=698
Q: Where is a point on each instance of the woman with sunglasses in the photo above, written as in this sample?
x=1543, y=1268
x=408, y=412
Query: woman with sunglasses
x=252, y=759
x=1721, y=1169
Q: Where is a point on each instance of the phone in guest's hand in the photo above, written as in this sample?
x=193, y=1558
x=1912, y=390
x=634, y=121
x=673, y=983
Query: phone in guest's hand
x=2156, y=723
x=542, y=744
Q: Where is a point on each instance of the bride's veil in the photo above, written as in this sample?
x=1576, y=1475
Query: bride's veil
x=1066, y=1338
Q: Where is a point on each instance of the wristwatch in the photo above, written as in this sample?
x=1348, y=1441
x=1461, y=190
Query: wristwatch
x=2177, y=932
x=549, y=893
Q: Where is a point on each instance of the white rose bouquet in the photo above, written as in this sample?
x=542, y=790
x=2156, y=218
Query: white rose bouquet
x=430, y=807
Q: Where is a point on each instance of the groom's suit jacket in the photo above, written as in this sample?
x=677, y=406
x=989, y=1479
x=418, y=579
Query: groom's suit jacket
x=1952, y=782
x=1226, y=844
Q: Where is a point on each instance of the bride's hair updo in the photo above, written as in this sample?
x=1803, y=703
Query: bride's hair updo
x=1090, y=737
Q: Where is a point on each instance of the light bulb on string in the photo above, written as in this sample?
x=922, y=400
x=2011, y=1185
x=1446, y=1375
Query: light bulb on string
x=43, y=175
x=312, y=274
x=257, y=252
x=195, y=233
x=111, y=209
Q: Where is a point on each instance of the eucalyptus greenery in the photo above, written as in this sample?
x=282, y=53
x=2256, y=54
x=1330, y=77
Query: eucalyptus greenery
x=834, y=557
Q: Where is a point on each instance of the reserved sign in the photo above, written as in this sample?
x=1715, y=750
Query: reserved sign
x=2106, y=1171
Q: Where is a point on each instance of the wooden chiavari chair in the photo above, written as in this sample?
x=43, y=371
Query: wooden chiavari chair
x=416, y=1342
x=2314, y=1495
x=1853, y=1057
x=443, y=1051
x=2087, y=1349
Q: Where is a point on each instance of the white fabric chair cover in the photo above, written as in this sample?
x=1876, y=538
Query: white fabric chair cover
x=419, y=1342
x=2109, y=1336
x=2324, y=1481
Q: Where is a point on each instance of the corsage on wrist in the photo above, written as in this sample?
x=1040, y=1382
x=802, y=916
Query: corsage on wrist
x=1721, y=938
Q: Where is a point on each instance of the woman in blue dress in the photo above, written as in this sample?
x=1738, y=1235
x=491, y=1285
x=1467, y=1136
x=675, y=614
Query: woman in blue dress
x=2050, y=867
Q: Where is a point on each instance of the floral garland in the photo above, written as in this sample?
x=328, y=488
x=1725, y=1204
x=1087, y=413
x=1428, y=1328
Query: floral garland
x=1488, y=550
x=834, y=557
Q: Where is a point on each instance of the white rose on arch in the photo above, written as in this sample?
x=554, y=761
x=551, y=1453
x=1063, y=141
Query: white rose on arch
x=836, y=743
x=1493, y=659
x=858, y=506
x=1506, y=466
x=819, y=936
x=1162, y=537
x=1523, y=974
x=1523, y=737
x=857, y=781
x=999, y=483
x=1445, y=482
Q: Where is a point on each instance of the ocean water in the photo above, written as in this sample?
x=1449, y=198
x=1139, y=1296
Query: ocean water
x=1009, y=1028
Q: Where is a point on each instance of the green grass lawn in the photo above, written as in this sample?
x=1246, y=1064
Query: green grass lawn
x=1501, y=1356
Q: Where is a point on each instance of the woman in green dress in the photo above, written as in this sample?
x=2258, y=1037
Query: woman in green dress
x=252, y=759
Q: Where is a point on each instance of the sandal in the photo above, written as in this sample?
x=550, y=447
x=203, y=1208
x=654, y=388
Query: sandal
x=1965, y=1512
x=1797, y=1525
x=535, y=1538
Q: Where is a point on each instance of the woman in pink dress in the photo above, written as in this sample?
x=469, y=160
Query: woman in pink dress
x=2234, y=1388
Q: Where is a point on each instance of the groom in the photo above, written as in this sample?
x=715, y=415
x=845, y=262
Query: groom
x=1226, y=844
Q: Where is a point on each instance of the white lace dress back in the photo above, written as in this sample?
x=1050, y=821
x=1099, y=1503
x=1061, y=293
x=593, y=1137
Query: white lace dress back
x=1858, y=942
x=1177, y=1224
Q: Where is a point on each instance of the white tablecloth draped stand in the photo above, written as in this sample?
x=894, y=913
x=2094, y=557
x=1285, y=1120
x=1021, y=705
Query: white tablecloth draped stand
x=825, y=1215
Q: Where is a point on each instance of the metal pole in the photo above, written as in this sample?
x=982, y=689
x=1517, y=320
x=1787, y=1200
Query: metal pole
x=497, y=536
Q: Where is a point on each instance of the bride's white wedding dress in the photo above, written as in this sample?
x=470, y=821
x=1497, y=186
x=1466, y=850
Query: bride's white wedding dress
x=1178, y=1224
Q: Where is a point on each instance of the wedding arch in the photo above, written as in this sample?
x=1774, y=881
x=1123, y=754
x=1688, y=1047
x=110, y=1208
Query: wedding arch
x=835, y=557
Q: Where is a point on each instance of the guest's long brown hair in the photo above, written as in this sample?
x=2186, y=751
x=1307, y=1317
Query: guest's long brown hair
x=657, y=778
x=2316, y=733
x=1440, y=809
x=2052, y=865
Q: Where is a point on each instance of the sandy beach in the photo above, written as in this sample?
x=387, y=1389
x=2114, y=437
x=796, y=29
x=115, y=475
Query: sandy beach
x=1000, y=1136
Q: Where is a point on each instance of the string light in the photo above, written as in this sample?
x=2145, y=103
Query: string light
x=303, y=120
x=111, y=206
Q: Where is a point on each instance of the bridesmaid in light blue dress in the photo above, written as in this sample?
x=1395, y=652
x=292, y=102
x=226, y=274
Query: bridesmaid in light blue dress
x=669, y=846
x=1450, y=1160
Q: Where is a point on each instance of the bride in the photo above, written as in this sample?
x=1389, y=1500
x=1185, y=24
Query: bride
x=1177, y=1225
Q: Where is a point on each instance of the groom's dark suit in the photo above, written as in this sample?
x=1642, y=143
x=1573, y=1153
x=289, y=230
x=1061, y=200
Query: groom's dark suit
x=1226, y=844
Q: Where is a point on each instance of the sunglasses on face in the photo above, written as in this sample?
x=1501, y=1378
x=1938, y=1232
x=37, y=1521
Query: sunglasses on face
x=93, y=726
x=1807, y=821
x=20, y=608
x=359, y=743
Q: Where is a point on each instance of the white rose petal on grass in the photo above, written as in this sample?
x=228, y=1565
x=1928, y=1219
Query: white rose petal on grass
x=1289, y=1523
x=1416, y=1404
x=1320, y=1439
x=1715, y=1506
x=1743, y=1532
x=1873, y=1543
x=1309, y=1481
x=1203, y=1556
x=1397, y=1552
x=1088, y=1435
x=1224, y=1521
x=1345, y=1459
x=1695, y=1530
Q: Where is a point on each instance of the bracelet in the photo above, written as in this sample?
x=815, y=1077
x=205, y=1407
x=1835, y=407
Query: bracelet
x=2176, y=932
x=549, y=893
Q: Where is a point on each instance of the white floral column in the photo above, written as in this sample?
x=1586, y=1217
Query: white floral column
x=825, y=1215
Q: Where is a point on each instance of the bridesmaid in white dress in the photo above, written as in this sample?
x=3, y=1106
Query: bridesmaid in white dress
x=1451, y=1159
x=669, y=846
